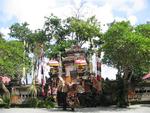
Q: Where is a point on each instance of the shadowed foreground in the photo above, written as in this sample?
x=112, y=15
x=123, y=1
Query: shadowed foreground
x=145, y=108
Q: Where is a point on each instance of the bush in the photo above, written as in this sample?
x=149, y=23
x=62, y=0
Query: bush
x=32, y=102
x=41, y=104
x=35, y=102
x=49, y=103
x=1, y=101
x=5, y=101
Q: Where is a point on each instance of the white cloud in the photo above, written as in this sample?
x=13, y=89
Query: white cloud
x=104, y=14
x=108, y=72
x=132, y=19
x=63, y=12
x=33, y=11
x=139, y=5
x=128, y=6
x=5, y=32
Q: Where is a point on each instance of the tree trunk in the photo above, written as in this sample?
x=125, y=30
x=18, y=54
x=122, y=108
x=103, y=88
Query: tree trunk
x=127, y=78
x=122, y=90
x=126, y=91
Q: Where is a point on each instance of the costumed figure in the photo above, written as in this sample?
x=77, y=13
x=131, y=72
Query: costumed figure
x=72, y=99
x=62, y=93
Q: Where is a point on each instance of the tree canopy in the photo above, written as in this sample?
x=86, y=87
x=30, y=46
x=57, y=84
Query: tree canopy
x=85, y=30
x=64, y=33
x=11, y=60
x=125, y=48
x=20, y=31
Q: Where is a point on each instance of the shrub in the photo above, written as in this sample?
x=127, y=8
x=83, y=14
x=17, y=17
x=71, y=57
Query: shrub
x=1, y=101
x=41, y=104
x=49, y=103
x=32, y=102
x=35, y=102
x=6, y=101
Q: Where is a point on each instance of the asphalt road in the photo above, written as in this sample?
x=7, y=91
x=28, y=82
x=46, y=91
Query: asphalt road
x=145, y=108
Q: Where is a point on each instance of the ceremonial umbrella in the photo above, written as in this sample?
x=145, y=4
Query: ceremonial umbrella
x=80, y=62
x=53, y=63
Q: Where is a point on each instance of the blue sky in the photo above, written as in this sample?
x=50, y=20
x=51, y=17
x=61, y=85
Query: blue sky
x=106, y=11
x=33, y=11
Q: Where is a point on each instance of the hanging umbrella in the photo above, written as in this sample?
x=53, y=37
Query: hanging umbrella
x=146, y=76
x=53, y=63
x=80, y=62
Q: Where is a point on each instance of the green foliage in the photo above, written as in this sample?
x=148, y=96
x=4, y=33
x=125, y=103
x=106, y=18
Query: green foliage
x=36, y=41
x=54, y=50
x=34, y=89
x=33, y=42
x=11, y=60
x=144, y=30
x=20, y=31
x=126, y=49
x=2, y=105
x=40, y=103
x=68, y=32
x=49, y=103
x=33, y=102
x=46, y=104
x=56, y=29
x=5, y=101
x=84, y=30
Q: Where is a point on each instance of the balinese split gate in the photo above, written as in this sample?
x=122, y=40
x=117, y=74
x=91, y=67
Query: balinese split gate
x=72, y=80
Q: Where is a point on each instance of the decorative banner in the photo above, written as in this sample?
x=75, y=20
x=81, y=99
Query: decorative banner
x=94, y=62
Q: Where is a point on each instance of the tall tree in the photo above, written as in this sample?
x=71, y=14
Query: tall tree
x=21, y=32
x=37, y=46
x=144, y=30
x=125, y=49
x=57, y=32
x=11, y=60
x=84, y=30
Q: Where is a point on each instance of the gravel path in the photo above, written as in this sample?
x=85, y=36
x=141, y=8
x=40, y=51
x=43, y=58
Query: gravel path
x=145, y=108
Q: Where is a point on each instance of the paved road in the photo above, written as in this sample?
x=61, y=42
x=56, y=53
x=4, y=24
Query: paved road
x=132, y=109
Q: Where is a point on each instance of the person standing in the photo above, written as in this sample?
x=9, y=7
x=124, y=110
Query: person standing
x=72, y=99
x=62, y=94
